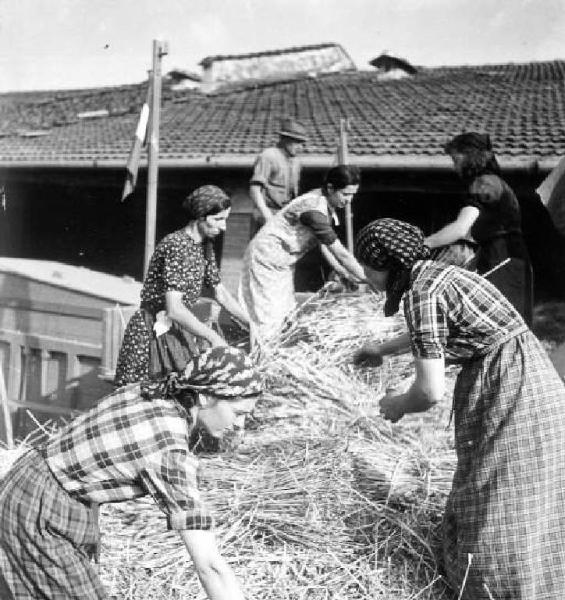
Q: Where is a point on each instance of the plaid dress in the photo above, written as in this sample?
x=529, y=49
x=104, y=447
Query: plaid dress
x=124, y=448
x=504, y=526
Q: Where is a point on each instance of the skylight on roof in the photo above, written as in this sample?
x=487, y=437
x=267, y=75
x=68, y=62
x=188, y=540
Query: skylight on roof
x=93, y=114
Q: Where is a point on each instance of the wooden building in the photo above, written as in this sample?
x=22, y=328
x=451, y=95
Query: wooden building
x=63, y=154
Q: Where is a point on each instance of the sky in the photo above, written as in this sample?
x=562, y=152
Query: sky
x=66, y=44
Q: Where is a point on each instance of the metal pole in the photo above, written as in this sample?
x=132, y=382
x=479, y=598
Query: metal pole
x=343, y=159
x=159, y=50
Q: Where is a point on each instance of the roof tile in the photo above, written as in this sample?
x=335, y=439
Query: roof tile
x=521, y=106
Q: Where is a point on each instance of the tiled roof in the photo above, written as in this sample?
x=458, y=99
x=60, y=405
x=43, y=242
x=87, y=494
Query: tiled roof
x=522, y=106
x=24, y=111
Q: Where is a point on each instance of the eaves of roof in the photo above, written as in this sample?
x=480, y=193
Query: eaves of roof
x=245, y=161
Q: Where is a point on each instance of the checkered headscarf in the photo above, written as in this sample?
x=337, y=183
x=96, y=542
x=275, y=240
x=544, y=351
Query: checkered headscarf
x=385, y=241
x=223, y=372
x=388, y=244
x=206, y=200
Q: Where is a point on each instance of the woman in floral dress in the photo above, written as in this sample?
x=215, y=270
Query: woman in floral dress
x=163, y=335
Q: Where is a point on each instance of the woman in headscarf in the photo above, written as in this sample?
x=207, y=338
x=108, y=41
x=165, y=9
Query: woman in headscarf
x=134, y=443
x=504, y=525
x=163, y=335
x=266, y=287
x=490, y=217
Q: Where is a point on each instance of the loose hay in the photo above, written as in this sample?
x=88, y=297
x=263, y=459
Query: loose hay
x=321, y=499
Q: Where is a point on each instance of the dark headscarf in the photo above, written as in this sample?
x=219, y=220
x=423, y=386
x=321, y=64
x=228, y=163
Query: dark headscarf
x=205, y=200
x=223, y=372
x=479, y=155
x=469, y=141
x=389, y=244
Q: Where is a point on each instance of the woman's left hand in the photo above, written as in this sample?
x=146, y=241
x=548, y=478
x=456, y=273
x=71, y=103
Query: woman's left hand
x=392, y=406
x=368, y=355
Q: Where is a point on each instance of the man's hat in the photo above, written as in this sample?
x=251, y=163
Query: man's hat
x=293, y=129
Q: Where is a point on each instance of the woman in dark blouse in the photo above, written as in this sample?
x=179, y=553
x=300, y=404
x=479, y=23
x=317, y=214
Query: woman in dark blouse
x=163, y=335
x=490, y=217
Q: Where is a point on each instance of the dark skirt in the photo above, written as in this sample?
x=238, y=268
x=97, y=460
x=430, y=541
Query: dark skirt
x=48, y=538
x=513, y=278
x=143, y=355
x=515, y=281
x=504, y=526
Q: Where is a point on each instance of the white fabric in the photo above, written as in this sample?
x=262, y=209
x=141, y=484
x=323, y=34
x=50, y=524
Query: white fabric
x=266, y=287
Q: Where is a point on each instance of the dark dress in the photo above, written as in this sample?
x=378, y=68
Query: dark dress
x=504, y=524
x=498, y=231
x=178, y=264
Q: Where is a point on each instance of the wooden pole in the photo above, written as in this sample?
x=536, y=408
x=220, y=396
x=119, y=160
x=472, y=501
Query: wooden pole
x=343, y=159
x=6, y=415
x=159, y=50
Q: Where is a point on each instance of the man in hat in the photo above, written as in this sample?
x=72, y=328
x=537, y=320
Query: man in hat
x=276, y=173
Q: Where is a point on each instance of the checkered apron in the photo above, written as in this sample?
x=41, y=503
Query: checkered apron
x=47, y=537
x=504, y=526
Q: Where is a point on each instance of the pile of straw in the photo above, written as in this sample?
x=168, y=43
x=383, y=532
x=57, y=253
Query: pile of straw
x=321, y=498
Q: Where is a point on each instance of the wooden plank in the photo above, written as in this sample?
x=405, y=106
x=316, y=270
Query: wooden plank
x=52, y=308
x=53, y=344
x=44, y=358
x=72, y=379
x=6, y=413
x=14, y=368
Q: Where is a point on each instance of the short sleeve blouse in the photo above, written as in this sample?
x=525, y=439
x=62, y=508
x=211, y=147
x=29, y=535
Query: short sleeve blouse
x=499, y=210
x=319, y=223
x=180, y=264
x=455, y=313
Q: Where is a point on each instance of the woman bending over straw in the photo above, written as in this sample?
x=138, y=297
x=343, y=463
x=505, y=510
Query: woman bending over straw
x=504, y=525
x=266, y=288
x=134, y=443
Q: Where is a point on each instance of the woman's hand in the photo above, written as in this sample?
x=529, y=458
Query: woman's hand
x=392, y=406
x=216, y=340
x=369, y=355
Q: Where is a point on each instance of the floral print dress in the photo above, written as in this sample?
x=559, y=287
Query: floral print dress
x=181, y=264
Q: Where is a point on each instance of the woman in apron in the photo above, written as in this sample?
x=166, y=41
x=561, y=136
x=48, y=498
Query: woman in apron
x=266, y=287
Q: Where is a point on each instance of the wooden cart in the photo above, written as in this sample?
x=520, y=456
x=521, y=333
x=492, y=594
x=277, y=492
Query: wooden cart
x=59, y=326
